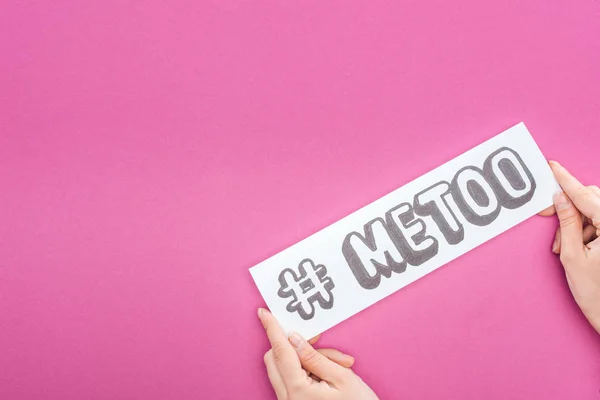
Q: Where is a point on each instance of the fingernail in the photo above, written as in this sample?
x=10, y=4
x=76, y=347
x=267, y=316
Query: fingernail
x=554, y=245
x=260, y=312
x=554, y=163
x=561, y=202
x=296, y=340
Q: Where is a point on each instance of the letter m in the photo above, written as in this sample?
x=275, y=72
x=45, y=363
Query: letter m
x=372, y=255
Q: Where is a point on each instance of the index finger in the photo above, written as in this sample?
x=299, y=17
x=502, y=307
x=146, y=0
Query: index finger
x=582, y=196
x=284, y=354
x=548, y=211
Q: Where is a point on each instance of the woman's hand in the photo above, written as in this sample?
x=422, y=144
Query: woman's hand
x=577, y=242
x=297, y=371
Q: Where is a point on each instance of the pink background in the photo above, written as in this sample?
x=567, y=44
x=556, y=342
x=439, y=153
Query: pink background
x=151, y=152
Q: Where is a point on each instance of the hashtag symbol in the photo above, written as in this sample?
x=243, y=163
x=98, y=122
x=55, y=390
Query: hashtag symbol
x=309, y=286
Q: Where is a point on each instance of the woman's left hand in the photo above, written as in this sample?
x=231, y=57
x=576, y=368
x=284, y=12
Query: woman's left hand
x=299, y=372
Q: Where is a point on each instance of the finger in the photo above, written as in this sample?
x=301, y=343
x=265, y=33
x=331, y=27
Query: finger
x=556, y=244
x=551, y=210
x=274, y=376
x=571, y=228
x=284, y=354
x=589, y=234
x=596, y=190
x=584, y=198
x=338, y=357
x=548, y=211
x=316, y=363
x=594, y=245
x=315, y=339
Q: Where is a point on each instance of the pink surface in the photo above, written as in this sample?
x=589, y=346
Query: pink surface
x=151, y=152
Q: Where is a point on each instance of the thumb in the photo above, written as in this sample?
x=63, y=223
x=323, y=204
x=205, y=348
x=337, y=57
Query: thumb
x=571, y=228
x=316, y=363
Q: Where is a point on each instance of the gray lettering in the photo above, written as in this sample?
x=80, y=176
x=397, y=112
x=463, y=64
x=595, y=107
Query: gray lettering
x=409, y=235
x=512, y=181
x=373, y=255
x=475, y=196
x=432, y=202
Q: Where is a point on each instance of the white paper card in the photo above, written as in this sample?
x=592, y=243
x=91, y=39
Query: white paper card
x=406, y=234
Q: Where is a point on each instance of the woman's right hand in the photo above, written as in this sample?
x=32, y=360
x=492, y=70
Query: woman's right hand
x=577, y=242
